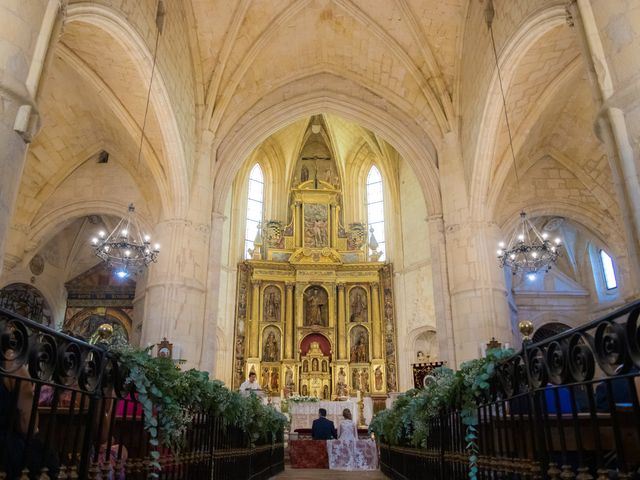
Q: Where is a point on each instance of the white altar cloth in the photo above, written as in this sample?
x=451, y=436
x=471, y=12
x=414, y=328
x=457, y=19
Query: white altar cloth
x=303, y=414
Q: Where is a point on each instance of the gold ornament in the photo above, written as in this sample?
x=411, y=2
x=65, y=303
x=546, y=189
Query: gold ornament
x=105, y=331
x=526, y=329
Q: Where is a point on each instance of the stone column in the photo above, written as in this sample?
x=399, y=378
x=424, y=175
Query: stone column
x=610, y=41
x=208, y=356
x=441, y=294
x=479, y=308
x=289, y=322
x=342, y=335
x=175, y=294
x=377, y=322
x=254, y=331
x=25, y=40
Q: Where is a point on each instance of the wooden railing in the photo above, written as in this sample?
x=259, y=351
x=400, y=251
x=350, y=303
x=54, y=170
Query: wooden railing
x=566, y=407
x=65, y=413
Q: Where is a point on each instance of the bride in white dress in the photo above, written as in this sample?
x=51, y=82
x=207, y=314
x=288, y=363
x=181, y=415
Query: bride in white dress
x=349, y=453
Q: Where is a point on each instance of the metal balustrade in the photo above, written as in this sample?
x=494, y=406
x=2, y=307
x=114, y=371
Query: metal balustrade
x=65, y=413
x=563, y=408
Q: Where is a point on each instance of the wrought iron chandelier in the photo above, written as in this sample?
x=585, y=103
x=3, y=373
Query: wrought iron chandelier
x=126, y=249
x=528, y=251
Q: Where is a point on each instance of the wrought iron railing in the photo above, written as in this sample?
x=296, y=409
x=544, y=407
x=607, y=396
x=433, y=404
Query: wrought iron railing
x=65, y=413
x=566, y=407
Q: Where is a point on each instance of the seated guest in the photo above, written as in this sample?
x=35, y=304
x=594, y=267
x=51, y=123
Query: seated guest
x=322, y=428
x=250, y=385
x=622, y=389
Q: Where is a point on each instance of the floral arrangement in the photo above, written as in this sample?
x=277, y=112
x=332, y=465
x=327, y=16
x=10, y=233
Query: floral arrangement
x=302, y=399
x=161, y=387
x=407, y=422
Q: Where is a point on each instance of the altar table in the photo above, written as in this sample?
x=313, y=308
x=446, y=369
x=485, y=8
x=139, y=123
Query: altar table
x=303, y=414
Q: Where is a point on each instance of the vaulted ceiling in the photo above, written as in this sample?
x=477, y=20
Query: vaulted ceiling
x=220, y=63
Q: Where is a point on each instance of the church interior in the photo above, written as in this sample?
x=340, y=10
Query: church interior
x=325, y=183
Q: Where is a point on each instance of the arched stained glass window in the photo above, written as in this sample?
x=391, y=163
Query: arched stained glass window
x=608, y=270
x=255, y=203
x=375, y=209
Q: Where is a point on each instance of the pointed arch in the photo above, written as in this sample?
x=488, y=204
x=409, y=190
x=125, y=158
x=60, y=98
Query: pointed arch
x=175, y=173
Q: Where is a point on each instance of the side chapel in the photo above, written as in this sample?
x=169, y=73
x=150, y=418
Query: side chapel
x=315, y=310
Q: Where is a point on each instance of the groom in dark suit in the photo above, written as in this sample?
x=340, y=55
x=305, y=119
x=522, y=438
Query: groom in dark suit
x=323, y=429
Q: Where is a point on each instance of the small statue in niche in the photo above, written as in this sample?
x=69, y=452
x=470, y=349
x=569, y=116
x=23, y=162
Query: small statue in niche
x=272, y=306
x=391, y=378
x=274, y=380
x=305, y=366
x=341, y=385
x=304, y=174
x=324, y=366
x=271, y=350
x=388, y=308
x=314, y=304
x=314, y=365
x=359, y=350
x=239, y=348
x=305, y=390
x=358, y=307
x=378, y=378
x=288, y=378
x=365, y=380
x=327, y=175
x=325, y=392
x=265, y=378
x=355, y=379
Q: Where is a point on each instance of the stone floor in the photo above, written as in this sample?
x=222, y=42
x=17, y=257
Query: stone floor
x=312, y=474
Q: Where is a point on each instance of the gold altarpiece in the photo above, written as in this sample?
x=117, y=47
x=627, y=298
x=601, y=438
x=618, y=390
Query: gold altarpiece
x=314, y=316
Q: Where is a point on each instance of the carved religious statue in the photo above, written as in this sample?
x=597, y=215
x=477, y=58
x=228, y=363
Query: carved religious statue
x=378, y=378
x=341, y=386
x=288, y=378
x=359, y=350
x=271, y=351
x=304, y=174
x=358, y=307
x=272, y=305
x=274, y=380
x=355, y=379
x=314, y=306
x=365, y=380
